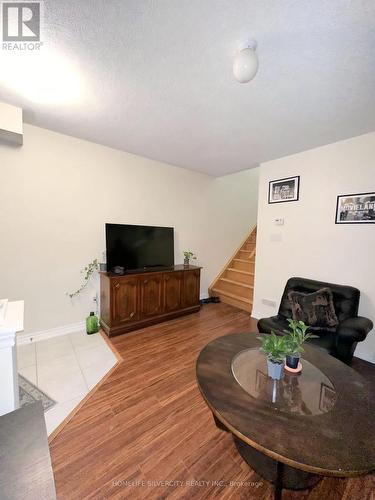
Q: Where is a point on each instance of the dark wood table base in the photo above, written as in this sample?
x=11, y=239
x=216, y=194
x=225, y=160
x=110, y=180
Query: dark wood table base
x=274, y=471
x=281, y=475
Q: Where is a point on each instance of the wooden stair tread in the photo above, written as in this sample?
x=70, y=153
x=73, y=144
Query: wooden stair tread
x=235, y=284
x=239, y=271
x=232, y=295
x=227, y=280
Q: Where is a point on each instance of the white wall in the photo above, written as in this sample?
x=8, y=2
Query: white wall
x=56, y=193
x=11, y=126
x=310, y=244
x=10, y=118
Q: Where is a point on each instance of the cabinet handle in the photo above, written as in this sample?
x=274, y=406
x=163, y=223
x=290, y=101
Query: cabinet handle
x=132, y=314
x=117, y=285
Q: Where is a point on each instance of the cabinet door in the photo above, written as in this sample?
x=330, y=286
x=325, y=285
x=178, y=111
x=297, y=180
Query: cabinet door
x=151, y=296
x=191, y=288
x=172, y=291
x=125, y=306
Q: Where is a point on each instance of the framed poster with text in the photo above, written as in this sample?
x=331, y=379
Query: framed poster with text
x=355, y=208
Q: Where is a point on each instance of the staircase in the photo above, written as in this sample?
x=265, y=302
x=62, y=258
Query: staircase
x=235, y=284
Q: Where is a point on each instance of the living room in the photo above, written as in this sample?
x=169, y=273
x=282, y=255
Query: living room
x=247, y=132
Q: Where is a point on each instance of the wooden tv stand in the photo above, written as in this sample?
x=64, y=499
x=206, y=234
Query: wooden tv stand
x=136, y=300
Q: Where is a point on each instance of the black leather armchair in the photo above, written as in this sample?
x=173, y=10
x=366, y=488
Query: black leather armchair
x=339, y=342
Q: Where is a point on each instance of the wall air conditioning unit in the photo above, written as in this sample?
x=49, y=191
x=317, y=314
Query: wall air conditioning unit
x=11, y=128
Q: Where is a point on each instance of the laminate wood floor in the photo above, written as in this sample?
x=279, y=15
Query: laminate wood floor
x=147, y=433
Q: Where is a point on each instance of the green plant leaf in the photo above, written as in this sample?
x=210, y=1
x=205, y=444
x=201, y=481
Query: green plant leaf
x=88, y=271
x=274, y=346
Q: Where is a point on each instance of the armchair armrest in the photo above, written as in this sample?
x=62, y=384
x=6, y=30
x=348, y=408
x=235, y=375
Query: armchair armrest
x=354, y=329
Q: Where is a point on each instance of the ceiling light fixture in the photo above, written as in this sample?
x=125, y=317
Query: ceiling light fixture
x=245, y=64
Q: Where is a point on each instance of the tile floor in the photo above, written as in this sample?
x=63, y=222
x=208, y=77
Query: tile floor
x=66, y=368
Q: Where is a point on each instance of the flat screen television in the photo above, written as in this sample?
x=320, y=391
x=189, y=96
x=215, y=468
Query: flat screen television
x=139, y=247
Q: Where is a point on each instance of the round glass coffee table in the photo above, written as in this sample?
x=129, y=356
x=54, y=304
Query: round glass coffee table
x=310, y=393
x=293, y=431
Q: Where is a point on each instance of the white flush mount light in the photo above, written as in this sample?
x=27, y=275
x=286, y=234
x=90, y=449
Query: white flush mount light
x=245, y=64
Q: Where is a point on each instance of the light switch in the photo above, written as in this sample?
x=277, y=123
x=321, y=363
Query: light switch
x=279, y=222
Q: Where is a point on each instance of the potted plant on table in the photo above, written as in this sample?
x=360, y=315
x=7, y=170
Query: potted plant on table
x=275, y=348
x=188, y=255
x=295, y=337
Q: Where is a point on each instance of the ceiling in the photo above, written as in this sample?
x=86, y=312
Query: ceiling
x=154, y=77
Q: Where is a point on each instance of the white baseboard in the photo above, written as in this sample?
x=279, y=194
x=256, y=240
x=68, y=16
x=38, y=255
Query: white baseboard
x=255, y=315
x=26, y=338
x=365, y=357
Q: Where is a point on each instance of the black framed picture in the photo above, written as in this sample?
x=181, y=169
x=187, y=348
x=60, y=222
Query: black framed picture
x=355, y=208
x=282, y=190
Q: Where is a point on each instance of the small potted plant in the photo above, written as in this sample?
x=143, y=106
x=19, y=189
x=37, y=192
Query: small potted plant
x=294, y=339
x=188, y=255
x=275, y=348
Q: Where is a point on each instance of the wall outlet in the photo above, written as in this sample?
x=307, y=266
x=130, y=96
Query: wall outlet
x=96, y=302
x=269, y=302
x=279, y=222
x=276, y=237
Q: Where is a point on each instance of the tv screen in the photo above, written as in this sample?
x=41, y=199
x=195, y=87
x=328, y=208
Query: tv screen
x=139, y=247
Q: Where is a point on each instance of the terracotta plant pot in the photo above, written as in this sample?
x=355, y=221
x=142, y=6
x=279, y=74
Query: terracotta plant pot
x=275, y=370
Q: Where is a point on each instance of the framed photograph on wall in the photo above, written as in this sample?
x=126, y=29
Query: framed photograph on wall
x=283, y=190
x=355, y=208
